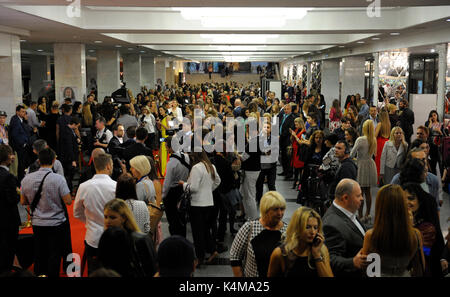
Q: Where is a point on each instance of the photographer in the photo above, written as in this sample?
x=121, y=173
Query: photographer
x=103, y=135
x=109, y=111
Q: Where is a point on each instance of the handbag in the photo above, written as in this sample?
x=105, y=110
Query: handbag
x=183, y=205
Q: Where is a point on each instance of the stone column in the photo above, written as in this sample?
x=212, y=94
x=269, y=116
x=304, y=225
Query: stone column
x=108, y=72
x=10, y=74
x=442, y=68
x=160, y=72
x=91, y=72
x=148, y=72
x=308, y=78
x=330, y=81
x=70, y=71
x=132, y=72
x=40, y=72
x=353, y=80
x=170, y=73
x=376, y=77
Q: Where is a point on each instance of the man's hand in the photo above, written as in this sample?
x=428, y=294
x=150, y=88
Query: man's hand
x=74, y=164
x=360, y=261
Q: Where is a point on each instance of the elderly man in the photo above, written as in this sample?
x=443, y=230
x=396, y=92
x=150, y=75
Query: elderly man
x=344, y=233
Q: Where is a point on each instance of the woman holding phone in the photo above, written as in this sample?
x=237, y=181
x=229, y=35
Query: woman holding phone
x=303, y=252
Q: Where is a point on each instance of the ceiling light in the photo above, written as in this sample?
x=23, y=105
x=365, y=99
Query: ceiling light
x=376, y=38
x=98, y=41
x=118, y=46
x=91, y=51
x=247, y=17
x=432, y=50
x=360, y=42
x=341, y=46
x=395, y=33
x=239, y=38
x=40, y=50
x=23, y=40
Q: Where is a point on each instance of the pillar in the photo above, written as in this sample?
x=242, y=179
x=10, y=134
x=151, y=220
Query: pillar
x=308, y=78
x=91, y=72
x=40, y=72
x=330, y=81
x=132, y=72
x=170, y=73
x=376, y=77
x=148, y=72
x=108, y=72
x=442, y=68
x=353, y=76
x=10, y=74
x=160, y=72
x=70, y=70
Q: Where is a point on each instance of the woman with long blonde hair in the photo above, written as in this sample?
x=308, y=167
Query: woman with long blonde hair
x=364, y=149
x=303, y=252
x=382, y=133
x=393, y=155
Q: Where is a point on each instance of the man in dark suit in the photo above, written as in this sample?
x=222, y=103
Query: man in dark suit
x=9, y=213
x=19, y=140
x=286, y=122
x=406, y=119
x=344, y=233
x=69, y=152
x=139, y=147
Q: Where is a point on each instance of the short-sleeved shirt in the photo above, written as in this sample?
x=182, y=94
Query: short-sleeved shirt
x=50, y=209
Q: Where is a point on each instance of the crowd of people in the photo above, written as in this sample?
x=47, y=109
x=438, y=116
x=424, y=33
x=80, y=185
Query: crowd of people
x=125, y=165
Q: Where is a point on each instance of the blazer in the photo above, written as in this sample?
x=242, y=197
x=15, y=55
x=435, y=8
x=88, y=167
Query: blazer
x=288, y=123
x=343, y=240
x=18, y=134
x=115, y=148
x=136, y=149
x=9, y=213
x=390, y=156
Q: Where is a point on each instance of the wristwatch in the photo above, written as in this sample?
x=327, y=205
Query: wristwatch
x=320, y=259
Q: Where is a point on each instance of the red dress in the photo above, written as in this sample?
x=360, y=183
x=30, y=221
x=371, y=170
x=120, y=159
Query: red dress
x=295, y=162
x=380, y=145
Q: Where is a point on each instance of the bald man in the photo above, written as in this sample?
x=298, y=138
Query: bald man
x=344, y=233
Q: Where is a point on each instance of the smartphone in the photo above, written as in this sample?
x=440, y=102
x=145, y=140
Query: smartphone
x=304, y=136
x=162, y=139
x=316, y=240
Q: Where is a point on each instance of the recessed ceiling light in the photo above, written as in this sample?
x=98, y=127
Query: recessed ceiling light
x=40, y=50
x=23, y=40
x=432, y=50
x=376, y=38
x=360, y=42
x=341, y=46
x=395, y=33
x=98, y=41
x=118, y=46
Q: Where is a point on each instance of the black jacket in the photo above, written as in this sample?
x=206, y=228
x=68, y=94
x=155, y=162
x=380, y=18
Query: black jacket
x=9, y=213
x=406, y=119
x=348, y=169
x=115, y=148
x=288, y=123
x=343, y=240
x=136, y=149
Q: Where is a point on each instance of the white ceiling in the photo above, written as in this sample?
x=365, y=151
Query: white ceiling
x=161, y=28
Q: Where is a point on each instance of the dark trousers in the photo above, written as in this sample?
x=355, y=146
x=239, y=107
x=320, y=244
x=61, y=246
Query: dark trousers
x=226, y=213
x=177, y=226
x=202, y=219
x=22, y=162
x=92, y=258
x=285, y=160
x=48, y=249
x=271, y=174
x=8, y=245
x=435, y=159
x=69, y=172
x=150, y=141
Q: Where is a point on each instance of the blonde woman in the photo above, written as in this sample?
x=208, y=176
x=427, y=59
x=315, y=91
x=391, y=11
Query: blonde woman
x=255, y=241
x=303, y=252
x=382, y=133
x=364, y=149
x=393, y=155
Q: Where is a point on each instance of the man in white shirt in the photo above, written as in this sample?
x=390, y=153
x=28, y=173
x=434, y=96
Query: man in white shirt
x=90, y=200
x=344, y=233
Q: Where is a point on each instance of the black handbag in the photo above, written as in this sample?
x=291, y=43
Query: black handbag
x=183, y=205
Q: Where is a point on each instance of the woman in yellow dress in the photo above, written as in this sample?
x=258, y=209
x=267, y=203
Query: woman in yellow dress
x=163, y=148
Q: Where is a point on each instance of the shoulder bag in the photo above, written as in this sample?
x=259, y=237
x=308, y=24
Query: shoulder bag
x=156, y=212
x=38, y=195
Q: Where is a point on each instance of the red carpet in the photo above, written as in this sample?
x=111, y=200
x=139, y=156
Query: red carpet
x=77, y=230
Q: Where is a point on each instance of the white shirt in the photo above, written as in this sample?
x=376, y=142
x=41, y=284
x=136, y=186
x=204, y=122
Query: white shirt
x=90, y=201
x=351, y=216
x=202, y=185
x=179, y=114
